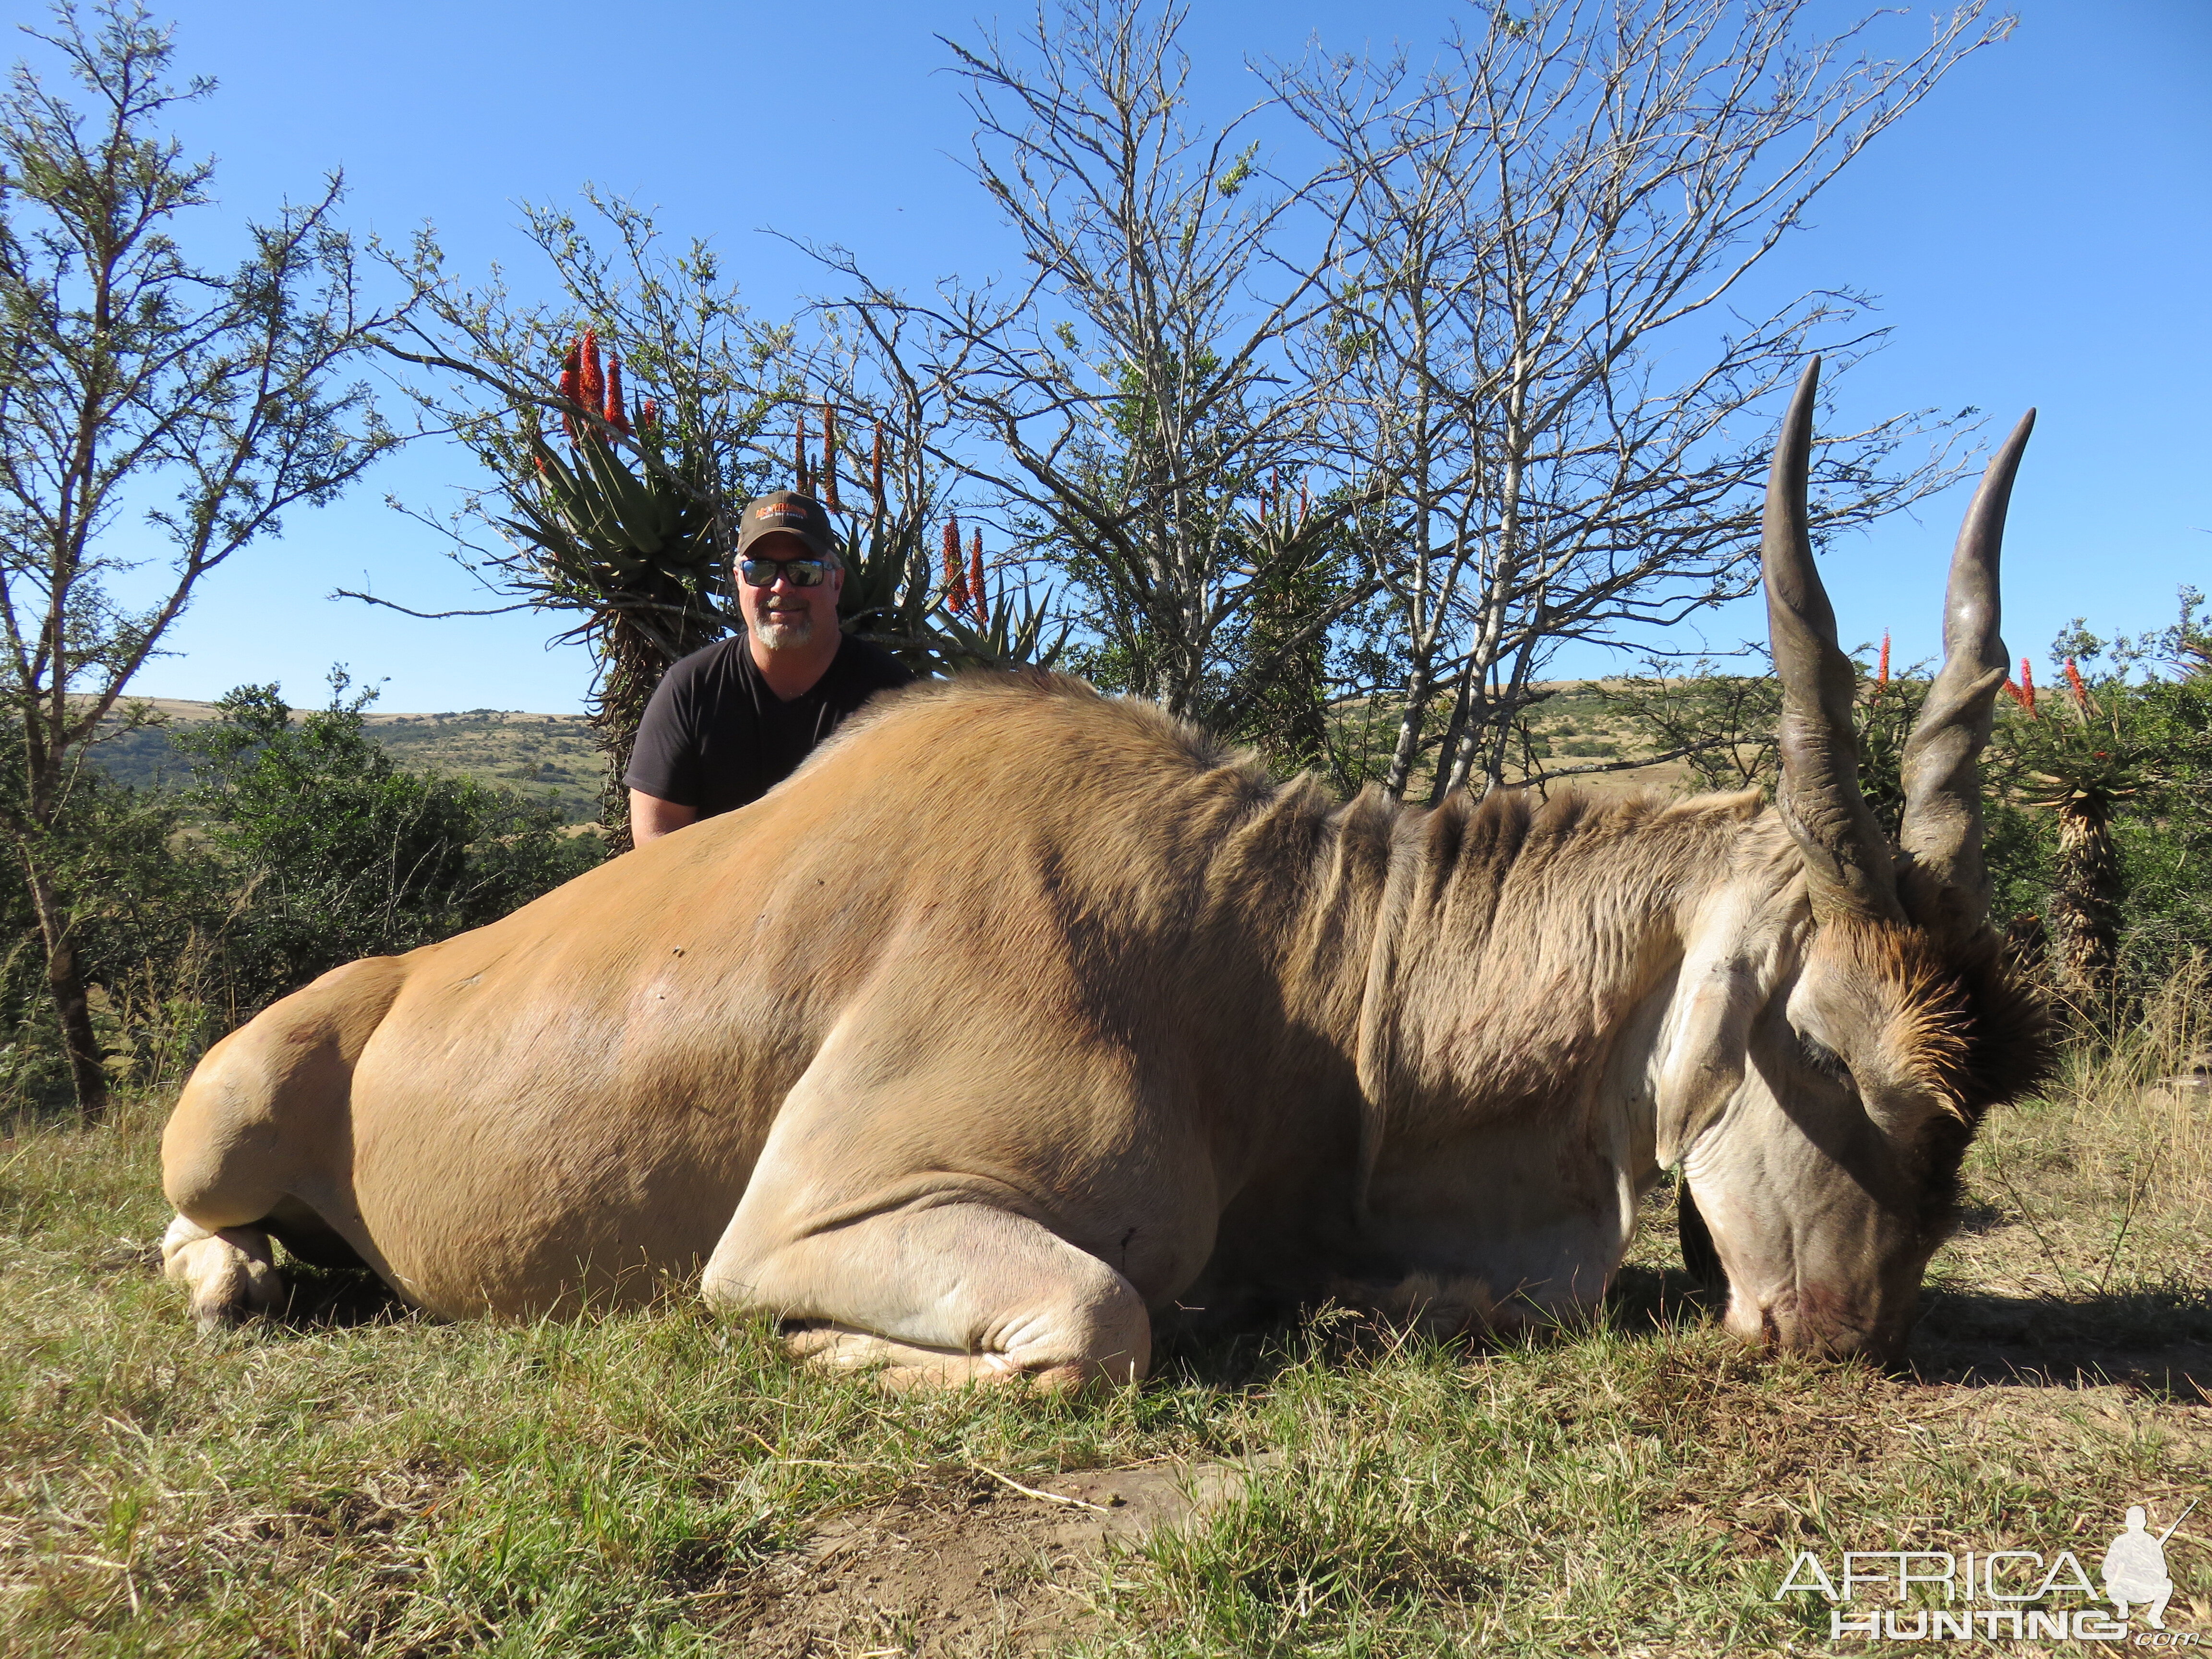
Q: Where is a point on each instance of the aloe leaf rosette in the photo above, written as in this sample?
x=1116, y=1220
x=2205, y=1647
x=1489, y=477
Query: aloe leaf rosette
x=604, y=533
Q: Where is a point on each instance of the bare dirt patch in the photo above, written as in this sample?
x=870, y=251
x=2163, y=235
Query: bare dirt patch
x=973, y=1566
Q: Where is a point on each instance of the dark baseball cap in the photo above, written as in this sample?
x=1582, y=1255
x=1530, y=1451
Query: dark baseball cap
x=792, y=514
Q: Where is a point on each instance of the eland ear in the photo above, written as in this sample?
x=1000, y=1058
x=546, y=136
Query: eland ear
x=1941, y=831
x=1706, y=1048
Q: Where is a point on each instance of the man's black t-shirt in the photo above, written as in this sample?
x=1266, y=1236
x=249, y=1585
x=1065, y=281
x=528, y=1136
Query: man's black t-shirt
x=714, y=737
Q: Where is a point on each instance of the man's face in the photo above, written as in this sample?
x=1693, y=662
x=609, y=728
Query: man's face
x=785, y=617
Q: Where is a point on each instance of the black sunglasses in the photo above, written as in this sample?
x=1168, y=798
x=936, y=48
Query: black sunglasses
x=799, y=573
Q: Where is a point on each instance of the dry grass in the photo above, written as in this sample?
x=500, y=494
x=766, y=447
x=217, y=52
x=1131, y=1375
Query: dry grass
x=360, y=1480
x=2100, y=1190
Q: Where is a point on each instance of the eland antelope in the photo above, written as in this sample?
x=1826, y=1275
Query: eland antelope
x=1020, y=1013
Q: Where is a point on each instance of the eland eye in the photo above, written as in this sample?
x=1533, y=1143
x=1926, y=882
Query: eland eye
x=1821, y=1058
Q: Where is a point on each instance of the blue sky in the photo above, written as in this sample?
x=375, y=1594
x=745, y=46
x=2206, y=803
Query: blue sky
x=2040, y=231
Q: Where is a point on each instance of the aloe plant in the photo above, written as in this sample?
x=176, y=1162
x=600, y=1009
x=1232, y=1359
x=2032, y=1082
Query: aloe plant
x=640, y=548
x=1013, y=635
x=2079, y=760
x=896, y=597
x=640, y=556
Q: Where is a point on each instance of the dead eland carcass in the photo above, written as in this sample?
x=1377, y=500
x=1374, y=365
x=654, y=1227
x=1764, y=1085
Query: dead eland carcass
x=1019, y=1011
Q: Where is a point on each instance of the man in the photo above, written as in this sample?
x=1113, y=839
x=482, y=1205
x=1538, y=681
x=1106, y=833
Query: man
x=731, y=722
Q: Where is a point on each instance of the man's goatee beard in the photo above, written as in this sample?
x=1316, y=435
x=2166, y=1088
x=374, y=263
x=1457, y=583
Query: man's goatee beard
x=781, y=635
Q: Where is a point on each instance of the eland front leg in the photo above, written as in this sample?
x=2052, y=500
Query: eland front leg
x=229, y=1272
x=939, y=1294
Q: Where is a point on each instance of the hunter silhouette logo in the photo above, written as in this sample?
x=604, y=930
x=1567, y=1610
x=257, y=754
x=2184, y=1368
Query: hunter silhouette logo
x=2019, y=1595
x=2134, y=1568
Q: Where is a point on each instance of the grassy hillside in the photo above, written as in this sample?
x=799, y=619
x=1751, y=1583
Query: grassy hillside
x=1574, y=726
x=547, y=757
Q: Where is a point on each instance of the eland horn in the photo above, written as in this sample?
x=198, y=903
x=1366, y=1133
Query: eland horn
x=1941, y=832
x=1849, y=867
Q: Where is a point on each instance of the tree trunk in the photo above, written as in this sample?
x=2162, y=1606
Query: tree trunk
x=625, y=686
x=2085, y=908
x=631, y=665
x=1455, y=737
x=631, y=669
x=72, y=1004
x=1418, y=689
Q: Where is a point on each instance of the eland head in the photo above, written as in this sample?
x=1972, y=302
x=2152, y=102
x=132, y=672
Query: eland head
x=1837, y=1053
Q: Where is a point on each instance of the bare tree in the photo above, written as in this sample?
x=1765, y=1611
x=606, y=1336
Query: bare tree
x=1131, y=405
x=127, y=371
x=1542, y=233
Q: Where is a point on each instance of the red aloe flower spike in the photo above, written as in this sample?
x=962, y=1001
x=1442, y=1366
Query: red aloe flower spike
x=2080, y=692
x=975, y=579
x=1882, y=669
x=800, y=481
x=616, y=417
x=2027, y=686
x=830, y=456
x=955, y=578
x=649, y=416
x=592, y=389
x=876, y=471
x=2012, y=690
x=1302, y=501
x=571, y=386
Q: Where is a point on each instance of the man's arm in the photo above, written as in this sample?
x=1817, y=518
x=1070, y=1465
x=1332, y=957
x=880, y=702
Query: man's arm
x=652, y=818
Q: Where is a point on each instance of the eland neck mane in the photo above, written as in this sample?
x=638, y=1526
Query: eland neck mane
x=1486, y=953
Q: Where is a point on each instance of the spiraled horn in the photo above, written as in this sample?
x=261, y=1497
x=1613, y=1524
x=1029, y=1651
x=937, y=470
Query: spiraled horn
x=1942, y=831
x=1849, y=866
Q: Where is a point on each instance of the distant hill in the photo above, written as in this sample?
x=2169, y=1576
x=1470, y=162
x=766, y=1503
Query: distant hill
x=1573, y=726
x=552, y=757
x=544, y=757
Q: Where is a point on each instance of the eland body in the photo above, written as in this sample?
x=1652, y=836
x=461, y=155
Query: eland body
x=1020, y=1013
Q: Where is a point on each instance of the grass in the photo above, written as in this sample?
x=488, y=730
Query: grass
x=360, y=1480
x=2109, y=1173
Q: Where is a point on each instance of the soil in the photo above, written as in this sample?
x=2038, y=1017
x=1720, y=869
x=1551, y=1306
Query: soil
x=970, y=1567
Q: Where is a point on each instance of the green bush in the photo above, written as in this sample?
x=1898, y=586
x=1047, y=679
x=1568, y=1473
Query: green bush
x=337, y=851
x=296, y=844
x=147, y=908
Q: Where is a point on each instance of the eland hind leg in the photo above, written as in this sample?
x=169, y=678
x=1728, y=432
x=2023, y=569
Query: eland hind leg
x=905, y=1212
x=261, y=1142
